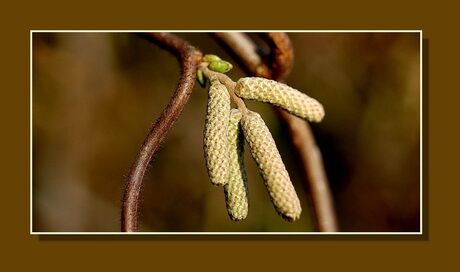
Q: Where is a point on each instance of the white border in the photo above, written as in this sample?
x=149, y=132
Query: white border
x=30, y=135
x=226, y=233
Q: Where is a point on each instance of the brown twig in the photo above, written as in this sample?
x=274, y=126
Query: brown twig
x=300, y=131
x=229, y=84
x=282, y=54
x=189, y=58
x=242, y=45
x=313, y=169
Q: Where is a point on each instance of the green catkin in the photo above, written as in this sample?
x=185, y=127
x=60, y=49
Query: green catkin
x=215, y=133
x=281, y=95
x=236, y=191
x=271, y=166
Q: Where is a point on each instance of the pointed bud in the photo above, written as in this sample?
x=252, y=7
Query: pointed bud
x=200, y=78
x=220, y=66
x=210, y=58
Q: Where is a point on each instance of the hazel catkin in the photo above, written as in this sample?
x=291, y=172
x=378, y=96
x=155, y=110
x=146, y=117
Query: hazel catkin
x=215, y=133
x=236, y=190
x=271, y=166
x=281, y=95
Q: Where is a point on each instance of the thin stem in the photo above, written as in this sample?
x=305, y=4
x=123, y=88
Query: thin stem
x=229, y=84
x=313, y=170
x=299, y=130
x=242, y=45
x=282, y=54
x=189, y=58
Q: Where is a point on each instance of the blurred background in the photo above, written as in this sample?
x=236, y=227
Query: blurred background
x=95, y=96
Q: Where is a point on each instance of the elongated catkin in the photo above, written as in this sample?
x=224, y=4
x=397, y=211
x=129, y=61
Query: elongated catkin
x=215, y=133
x=236, y=191
x=271, y=166
x=281, y=95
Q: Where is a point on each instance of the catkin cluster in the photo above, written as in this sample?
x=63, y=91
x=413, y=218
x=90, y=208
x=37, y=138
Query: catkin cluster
x=226, y=130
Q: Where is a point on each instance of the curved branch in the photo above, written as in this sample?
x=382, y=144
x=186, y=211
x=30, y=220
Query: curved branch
x=241, y=45
x=189, y=58
x=282, y=54
x=300, y=132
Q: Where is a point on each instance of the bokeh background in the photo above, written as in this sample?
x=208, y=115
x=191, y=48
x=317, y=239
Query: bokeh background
x=95, y=96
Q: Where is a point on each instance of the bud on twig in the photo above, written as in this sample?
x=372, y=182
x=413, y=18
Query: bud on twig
x=215, y=133
x=200, y=78
x=281, y=95
x=210, y=58
x=236, y=191
x=271, y=166
x=220, y=66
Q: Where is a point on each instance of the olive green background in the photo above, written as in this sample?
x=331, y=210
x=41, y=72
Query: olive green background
x=434, y=250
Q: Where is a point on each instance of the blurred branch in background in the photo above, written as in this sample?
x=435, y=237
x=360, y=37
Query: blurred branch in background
x=188, y=57
x=281, y=59
x=245, y=51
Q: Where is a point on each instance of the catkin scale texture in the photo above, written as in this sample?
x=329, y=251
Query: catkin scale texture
x=215, y=133
x=281, y=95
x=236, y=190
x=271, y=166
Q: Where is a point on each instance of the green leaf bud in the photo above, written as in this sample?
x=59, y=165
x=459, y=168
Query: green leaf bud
x=200, y=77
x=210, y=58
x=220, y=66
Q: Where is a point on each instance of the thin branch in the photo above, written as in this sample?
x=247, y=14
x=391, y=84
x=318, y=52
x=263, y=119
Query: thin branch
x=224, y=79
x=282, y=54
x=189, y=58
x=300, y=131
x=313, y=169
x=229, y=84
x=242, y=45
